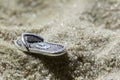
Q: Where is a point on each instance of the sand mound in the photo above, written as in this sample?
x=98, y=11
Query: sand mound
x=88, y=28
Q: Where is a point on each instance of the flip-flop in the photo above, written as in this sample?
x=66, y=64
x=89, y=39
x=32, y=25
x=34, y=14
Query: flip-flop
x=34, y=43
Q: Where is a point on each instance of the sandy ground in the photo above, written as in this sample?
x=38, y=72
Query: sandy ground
x=88, y=28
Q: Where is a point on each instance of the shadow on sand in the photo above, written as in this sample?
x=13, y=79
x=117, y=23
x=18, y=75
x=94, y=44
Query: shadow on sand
x=59, y=65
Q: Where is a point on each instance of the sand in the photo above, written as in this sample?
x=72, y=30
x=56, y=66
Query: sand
x=88, y=28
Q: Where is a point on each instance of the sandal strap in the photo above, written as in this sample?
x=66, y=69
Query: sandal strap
x=29, y=34
x=24, y=41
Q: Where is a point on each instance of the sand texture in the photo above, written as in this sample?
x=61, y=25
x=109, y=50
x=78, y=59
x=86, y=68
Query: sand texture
x=90, y=30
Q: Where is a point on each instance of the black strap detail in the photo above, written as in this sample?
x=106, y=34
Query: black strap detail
x=25, y=42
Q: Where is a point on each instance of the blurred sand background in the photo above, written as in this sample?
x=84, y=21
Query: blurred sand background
x=88, y=28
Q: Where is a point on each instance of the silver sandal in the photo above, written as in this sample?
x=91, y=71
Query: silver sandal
x=34, y=43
